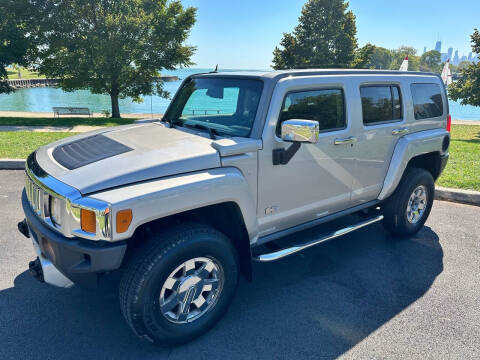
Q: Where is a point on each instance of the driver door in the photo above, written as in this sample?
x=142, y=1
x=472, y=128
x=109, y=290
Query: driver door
x=317, y=181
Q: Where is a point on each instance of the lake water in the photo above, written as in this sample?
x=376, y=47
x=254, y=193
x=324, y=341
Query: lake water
x=43, y=99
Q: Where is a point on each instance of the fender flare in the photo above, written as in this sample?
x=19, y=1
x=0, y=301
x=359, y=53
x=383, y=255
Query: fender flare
x=408, y=147
x=159, y=198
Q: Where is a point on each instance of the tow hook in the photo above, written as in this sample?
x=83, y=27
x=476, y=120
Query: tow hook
x=23, y=228
x=36, y=270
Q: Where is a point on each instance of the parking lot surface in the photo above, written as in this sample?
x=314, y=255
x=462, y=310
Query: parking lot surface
x=362, y=296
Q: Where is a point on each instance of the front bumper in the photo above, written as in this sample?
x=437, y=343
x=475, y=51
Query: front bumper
x=79, y=260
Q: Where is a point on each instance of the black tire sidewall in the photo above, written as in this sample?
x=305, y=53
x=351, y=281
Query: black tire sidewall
x=203, y=245
x=397, y=208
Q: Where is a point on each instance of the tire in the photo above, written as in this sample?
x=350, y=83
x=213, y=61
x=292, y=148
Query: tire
x=398, y=220
x=144, y=286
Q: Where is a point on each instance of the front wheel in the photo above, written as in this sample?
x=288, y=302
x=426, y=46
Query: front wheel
x=408, y=208
x=179, y=284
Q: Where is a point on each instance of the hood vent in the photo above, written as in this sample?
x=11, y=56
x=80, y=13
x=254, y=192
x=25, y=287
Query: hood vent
x=88, y=150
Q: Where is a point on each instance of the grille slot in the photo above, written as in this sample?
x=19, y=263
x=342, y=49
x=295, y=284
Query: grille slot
x=35, y=196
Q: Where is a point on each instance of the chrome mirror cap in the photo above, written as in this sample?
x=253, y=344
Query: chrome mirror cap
x=304, y=131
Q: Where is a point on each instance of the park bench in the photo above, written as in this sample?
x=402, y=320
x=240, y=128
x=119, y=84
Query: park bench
x=57, y=111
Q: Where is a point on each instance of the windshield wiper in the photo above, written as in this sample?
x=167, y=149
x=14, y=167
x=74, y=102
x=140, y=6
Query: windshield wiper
x=211, y=132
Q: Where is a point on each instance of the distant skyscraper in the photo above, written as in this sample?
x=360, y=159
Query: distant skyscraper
x=450, y=53
x=438, y=46
x=470, y=56
x=424, y=49
x=444, y=57
x=455, y=58
x=463, y=58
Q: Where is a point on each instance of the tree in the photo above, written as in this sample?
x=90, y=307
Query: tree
x=467, y=87
x=324, y=37
x=400, y=54
x=363, y=56
x=381, y=58
x=114, y=47
x=431, y=61
x=14, y=39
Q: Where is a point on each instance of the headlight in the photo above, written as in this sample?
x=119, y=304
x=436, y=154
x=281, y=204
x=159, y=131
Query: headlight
x=56, y=211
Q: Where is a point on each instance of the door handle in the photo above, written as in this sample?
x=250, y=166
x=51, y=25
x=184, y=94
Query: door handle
x=345, y=141
x=401, y=131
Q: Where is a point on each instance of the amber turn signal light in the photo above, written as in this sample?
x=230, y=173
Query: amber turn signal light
x=124, y=218
x=88, y=221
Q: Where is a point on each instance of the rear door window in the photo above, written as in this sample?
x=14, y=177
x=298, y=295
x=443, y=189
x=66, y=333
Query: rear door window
x=381, y=104
x=427, y=101
x=325, y=106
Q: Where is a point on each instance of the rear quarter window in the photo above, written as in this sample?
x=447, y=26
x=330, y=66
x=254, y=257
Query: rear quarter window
x=427, y=101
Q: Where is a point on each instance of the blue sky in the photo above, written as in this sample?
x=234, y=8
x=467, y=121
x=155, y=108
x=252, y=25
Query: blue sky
x=243, y=33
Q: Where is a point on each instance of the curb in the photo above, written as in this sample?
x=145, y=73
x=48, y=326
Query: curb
x=12, y=164
x=468, y=197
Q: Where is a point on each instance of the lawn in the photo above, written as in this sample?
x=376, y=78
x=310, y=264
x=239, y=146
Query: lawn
x=19, y=144
x=463, y=168
x=26, y=74
x=63, y=121
x=462, y=171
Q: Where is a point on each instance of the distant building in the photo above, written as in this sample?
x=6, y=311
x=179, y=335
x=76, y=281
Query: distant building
x=424, y=49
x=444, y=57
x=463, y=58
x=450, y=53
x=470, y=58
x=438, y=46
x=455, y=58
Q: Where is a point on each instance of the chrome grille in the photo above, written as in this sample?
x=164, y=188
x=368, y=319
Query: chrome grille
x=37, y=198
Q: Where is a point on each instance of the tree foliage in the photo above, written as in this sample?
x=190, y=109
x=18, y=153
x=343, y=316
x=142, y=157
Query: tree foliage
x=400, y=54
x=14, y=39
x=324, y=37
x=363, y=56
x=467, y=87
x=113, y=47
x=431, y=61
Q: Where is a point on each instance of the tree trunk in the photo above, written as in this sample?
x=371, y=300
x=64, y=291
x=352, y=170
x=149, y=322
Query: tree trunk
x=115, y=107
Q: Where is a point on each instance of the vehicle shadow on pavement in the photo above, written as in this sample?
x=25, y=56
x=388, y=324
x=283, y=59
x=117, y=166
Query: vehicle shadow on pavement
x=319, y=303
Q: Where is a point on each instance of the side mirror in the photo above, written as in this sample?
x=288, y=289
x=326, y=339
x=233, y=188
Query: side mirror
x=302, y=131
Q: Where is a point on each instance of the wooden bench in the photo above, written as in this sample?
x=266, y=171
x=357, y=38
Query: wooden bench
x=57, y=111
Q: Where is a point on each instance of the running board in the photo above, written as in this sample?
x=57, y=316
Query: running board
x=297, y=248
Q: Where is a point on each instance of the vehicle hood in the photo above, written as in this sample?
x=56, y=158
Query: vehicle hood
x=136, y=153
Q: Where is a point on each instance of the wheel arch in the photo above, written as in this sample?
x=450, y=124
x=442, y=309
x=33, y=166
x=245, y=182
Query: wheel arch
x=424, y=149
x=225, y=217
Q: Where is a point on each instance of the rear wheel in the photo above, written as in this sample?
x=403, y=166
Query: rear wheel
x=179, y=284
x=408, y=208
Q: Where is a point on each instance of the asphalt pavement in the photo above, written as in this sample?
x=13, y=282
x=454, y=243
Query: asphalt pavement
x=362, y=296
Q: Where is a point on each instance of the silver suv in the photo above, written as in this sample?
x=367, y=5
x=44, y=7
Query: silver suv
x=240, y=161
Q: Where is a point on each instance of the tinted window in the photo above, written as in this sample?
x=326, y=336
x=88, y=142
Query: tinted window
x=324, y=106
x=427, y=101
x=380, y=104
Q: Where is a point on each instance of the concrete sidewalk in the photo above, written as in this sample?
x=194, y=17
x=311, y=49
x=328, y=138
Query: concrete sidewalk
x=86, y=128
x=28, y=114
x=74, y=129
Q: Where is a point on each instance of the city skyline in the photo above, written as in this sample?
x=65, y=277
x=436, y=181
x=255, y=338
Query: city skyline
x=454, y=59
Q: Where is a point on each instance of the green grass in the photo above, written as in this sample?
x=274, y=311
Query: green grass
x=19, y=144
x=26, y=74
x=63, y=121
x=463, y=168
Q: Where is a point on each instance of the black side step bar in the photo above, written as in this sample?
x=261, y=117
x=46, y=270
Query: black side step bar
x=300, y=247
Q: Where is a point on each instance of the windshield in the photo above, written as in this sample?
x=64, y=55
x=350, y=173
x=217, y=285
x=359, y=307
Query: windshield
x=226, y=105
